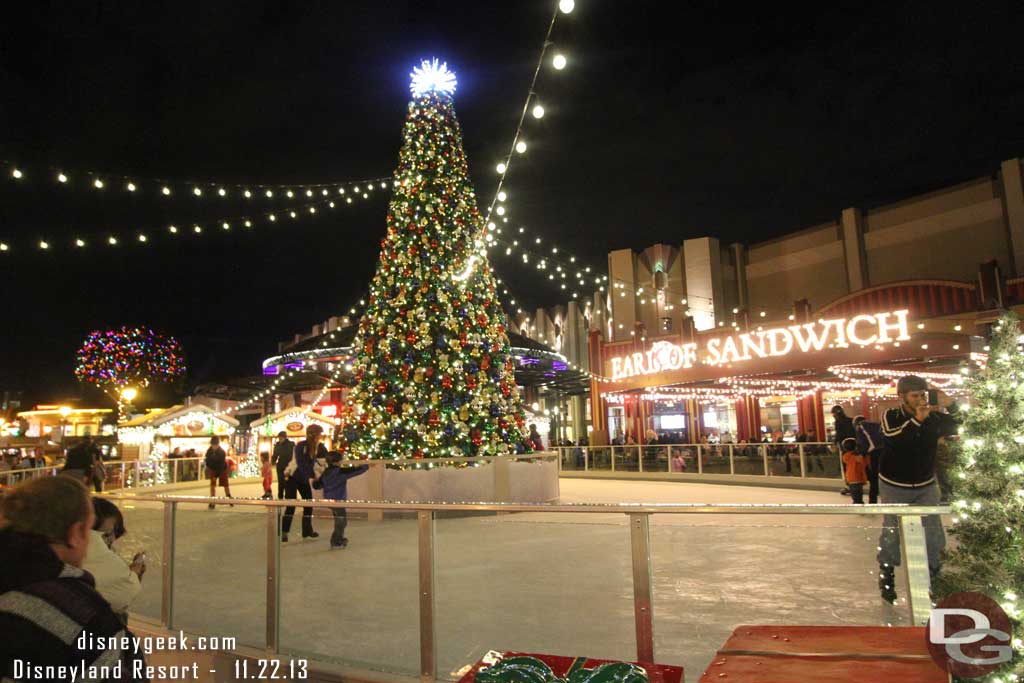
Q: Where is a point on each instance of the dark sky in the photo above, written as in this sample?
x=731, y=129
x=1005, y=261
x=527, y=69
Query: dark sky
x=673, y=120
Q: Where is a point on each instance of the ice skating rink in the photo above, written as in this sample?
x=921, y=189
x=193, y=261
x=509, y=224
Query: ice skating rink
x=536, y=582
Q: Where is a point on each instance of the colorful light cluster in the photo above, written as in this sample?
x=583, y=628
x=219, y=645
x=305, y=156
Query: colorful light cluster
x=434, y=370
x=129, y=356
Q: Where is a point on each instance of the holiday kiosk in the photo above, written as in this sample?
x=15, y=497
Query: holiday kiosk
x=293, y=421
x=157, y=433
x=435, y=396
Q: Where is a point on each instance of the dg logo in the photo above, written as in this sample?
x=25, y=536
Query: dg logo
x=969, y=635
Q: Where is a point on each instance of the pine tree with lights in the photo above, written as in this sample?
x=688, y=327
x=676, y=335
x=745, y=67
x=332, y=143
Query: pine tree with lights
x=434, y=370
x=988, y=490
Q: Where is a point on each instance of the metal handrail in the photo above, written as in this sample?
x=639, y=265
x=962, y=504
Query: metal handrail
x=628, y=508
x=912, y=539
x=799, y=458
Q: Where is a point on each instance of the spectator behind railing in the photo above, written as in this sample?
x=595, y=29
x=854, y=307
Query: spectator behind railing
x=116, y=580
x=46, y=600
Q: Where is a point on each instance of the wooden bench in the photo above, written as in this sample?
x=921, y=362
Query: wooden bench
x=824, y=654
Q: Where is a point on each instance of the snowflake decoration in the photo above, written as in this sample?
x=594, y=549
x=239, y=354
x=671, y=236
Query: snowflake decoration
x=430, y=76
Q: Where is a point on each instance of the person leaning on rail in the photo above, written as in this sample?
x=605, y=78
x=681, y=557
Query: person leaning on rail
x=907, y=474
x=47, y=601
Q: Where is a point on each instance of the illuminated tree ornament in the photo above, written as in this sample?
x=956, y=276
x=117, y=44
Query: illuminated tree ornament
x=429, y=76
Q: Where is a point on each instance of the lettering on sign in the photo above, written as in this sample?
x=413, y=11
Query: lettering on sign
x=860, y=330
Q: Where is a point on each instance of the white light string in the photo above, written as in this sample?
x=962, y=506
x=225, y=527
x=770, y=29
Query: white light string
x=187, y=228
x=170, y=187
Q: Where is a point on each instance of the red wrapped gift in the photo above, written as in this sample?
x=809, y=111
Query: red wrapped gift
x=824, y=654
x=557, y=667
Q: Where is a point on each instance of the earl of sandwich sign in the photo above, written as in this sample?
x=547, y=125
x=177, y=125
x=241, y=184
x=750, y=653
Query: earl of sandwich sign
x=779, y=349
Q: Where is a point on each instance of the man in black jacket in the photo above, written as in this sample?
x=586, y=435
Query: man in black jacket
x=907, y=474
x=283, y=452
x=50, y=612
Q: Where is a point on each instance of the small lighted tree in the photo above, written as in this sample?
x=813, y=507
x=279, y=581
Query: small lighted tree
x=135, y=357
x=988, y=490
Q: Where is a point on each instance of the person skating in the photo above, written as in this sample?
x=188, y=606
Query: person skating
x=334, y=482
x=907, y=474
x=284, y=450
x=299, y=473
x=843, y=430
x=870, y=443
x=217, y=468
x=855, y=468
x=268, y=476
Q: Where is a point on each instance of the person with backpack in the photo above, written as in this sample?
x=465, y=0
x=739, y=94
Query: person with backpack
x=217, y=468
x=334, y=481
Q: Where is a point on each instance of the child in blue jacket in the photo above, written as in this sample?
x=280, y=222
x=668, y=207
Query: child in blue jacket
x=334, y=481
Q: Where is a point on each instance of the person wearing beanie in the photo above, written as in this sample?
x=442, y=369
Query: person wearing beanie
x=907, y=474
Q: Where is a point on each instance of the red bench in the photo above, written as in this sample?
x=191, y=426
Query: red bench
x=824, y=654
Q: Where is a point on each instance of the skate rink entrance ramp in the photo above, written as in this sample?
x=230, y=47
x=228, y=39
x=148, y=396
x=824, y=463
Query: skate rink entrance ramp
x=636, y=571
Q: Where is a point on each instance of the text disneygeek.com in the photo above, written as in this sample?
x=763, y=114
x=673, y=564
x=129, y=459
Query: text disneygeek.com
x=103, y=658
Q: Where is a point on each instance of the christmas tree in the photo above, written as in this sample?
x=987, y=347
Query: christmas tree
x=434, y=369
x=988, y=489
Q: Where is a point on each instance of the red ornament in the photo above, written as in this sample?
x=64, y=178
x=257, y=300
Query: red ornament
x=477, y=438
x=430, y=372
x=446, y=382
x=433, y=419
x=471, y=382
x=485, y=362
x=411, y=338
x=390, y=407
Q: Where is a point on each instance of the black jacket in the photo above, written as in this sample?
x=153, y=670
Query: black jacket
x=334, y=480
x=216, y=459
x=43, y=602
x=82, y=457
x=909, y=456
x=283, y=451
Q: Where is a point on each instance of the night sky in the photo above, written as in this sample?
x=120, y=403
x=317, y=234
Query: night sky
x=672, y=120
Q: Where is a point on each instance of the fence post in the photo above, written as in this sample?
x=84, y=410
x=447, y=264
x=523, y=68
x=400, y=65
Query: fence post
x=273, y=580
x=613, y=458
x=640, y=457
x=803, y=461
x=375, y=490
x=167, y=567
x=915, y=552
x=732, y=465
x=428, y=645
x=764, y=458
x=700, y=459
x=586, y=459
x=643, y=610
x=502, y=479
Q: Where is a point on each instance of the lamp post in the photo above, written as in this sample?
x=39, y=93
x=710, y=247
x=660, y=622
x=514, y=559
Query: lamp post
x=128, y=395
x=64, y=412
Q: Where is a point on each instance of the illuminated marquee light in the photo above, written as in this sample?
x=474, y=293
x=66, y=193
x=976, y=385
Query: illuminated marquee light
x=855, y=374
x=860, y=330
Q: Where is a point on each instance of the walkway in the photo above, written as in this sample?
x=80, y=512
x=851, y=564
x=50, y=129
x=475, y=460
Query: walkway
x=541, y=582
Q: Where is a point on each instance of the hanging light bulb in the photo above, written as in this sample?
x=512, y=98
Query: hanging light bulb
x=538, y=112
x=62, y=178
x=520, y=146
x=502, y=196
x=500, y=168
x=566, y=6
x=558, y=61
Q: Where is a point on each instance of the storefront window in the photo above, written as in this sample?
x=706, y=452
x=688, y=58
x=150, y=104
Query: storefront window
x=616, y=421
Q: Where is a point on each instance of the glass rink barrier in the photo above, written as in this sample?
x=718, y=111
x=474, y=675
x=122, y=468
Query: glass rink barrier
x=815, y=460
x=124, y=474
x=426, y=589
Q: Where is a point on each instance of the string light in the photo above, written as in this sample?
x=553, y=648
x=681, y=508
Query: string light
x=225, y=223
